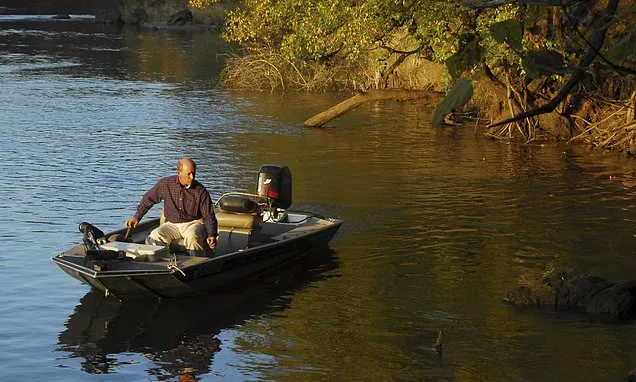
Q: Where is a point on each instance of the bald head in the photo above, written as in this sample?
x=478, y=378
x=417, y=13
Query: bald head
x=186, y=171
x=186, y=162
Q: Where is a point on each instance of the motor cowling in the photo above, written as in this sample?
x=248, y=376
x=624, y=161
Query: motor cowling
x=91, y=234
x=275, y=184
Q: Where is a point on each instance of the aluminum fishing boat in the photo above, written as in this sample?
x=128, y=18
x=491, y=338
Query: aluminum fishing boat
x=257, y=234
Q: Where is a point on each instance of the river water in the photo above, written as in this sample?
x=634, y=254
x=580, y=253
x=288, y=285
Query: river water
x=440, y=224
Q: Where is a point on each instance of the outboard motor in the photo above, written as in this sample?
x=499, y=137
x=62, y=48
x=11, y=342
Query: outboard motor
x=275, y=184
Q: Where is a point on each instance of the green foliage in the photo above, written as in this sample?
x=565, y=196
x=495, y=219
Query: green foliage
x=491, y=28
x=200, y=4
x=443, y=27
x=345, y=29
x=301, y=30
x=344, y=32
x=457, y=97
x=508, y=32
x=465, y=59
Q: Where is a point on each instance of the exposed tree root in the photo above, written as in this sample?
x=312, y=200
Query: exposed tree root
x=615, y=131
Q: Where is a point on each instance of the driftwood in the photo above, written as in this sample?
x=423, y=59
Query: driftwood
x=374, y=95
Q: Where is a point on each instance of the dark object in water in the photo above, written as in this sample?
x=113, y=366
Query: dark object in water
x=589, y=294
x=439, y=342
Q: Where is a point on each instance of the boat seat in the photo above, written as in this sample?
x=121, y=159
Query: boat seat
x=236, y=212
x=235, y=229
x=234, y=220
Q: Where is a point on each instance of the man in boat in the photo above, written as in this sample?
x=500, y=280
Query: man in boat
x=187, y=207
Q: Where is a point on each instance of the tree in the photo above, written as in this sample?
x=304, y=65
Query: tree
x=572, y=22
x=544, y=56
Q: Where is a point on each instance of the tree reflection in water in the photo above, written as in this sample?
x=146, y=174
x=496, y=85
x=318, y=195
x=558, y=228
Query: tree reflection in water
x=179, y=335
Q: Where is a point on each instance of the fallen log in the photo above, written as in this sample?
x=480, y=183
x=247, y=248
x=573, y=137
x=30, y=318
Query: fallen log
x=373, y=95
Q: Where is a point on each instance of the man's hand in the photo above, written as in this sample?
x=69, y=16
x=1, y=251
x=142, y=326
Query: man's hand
x=212, y=242
x=132, y=222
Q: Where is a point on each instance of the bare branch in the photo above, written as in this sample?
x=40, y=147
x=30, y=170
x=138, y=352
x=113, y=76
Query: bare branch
x=373, y=95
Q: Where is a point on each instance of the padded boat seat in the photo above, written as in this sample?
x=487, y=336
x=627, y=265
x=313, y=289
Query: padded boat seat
x=235, y=229
x=237, y=212
x=233, y=220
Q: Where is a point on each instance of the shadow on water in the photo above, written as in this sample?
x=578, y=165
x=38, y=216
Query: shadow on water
x=180, y=335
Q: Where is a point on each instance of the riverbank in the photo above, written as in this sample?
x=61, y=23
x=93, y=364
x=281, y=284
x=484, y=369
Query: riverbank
x=524, y=72
x=598, y=121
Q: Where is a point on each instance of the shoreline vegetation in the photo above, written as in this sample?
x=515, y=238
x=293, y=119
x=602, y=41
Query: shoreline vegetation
x=529, y=71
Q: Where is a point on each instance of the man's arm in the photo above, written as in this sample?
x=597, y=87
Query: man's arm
x=150, y=198
x=209, y=218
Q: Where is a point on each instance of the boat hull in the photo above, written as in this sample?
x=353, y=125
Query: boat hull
x=195, y=276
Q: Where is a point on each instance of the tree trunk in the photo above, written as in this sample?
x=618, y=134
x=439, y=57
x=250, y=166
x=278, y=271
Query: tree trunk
x=374, y=95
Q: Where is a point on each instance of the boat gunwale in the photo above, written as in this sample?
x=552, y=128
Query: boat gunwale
x=60, y=260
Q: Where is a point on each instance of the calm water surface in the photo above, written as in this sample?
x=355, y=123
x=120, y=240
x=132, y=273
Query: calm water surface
x=440, y=223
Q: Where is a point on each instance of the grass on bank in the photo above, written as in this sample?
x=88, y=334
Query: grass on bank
x=602, y=123
x=269, y=71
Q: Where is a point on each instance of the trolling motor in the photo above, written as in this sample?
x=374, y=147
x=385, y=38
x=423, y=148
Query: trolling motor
x=91, y=234
x=95, y=255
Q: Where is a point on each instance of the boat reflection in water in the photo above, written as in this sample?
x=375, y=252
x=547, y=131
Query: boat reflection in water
x=179, y=335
